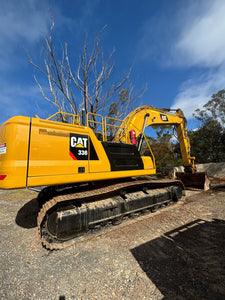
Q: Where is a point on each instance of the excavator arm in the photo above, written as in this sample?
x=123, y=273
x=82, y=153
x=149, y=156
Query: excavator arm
x=147, y=115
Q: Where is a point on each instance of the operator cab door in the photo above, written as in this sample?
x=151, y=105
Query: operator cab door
x=55, y=149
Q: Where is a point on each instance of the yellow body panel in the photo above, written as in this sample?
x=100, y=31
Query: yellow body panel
x=87, y=177
x=38, y=153
x=13, y=163
x=48, y=144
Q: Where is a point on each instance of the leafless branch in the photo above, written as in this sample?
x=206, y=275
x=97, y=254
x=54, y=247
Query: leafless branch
x=86, y=85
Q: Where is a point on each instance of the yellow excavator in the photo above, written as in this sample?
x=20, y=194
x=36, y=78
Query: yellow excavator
x=90, y=170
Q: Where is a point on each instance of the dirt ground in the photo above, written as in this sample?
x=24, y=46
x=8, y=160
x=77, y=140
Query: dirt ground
x=175, y=253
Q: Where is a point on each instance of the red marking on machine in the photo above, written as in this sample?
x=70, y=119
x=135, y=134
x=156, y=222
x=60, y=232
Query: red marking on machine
x=73, y=157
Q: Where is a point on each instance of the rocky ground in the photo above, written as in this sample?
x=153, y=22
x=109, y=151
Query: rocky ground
x=175, y=253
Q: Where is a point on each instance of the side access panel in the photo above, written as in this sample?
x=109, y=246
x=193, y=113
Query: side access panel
x=14, y=140
x=52, y=149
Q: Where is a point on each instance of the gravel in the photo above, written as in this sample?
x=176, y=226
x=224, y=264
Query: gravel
x=175, y=253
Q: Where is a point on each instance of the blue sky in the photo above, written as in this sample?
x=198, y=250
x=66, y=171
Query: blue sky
x=177, y=47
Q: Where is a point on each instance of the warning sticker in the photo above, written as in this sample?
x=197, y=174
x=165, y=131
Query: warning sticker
x=3, y=148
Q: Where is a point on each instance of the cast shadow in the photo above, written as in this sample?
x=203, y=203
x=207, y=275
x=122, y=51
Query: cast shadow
x=27, y=215
x=188, y=262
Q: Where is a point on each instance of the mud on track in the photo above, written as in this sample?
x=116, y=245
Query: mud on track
x=175, y=253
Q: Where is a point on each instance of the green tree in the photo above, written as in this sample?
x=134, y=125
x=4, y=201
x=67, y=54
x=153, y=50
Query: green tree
x=164, y=158
x=214, y=108
x=115, y=107
x=208, y=141
x=164, y=150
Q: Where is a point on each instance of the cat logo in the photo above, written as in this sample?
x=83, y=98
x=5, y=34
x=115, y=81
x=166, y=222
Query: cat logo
x=164, y=118
x=78, y=142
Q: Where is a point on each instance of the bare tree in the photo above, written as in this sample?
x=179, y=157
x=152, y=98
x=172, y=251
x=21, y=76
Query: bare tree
x=91, y=77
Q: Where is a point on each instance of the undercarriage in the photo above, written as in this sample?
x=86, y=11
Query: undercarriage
x=70, y=214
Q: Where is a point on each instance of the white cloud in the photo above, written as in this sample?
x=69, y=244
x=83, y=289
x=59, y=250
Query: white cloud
x=195, y=92
x=25, y=21
x=22, y=27
x=201, y=43
x=22, y=24
x=201, y=39
x=189, y=33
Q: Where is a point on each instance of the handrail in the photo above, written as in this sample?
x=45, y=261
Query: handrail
x=96, y=122
x=104, y=124
x=115, y=126
x=150, y=149
x=75, y=117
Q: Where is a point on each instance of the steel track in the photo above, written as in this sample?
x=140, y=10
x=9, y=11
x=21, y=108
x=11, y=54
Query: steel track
x=51, y=243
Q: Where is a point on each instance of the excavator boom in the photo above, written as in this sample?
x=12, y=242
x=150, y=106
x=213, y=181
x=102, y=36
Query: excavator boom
x=146, y=116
